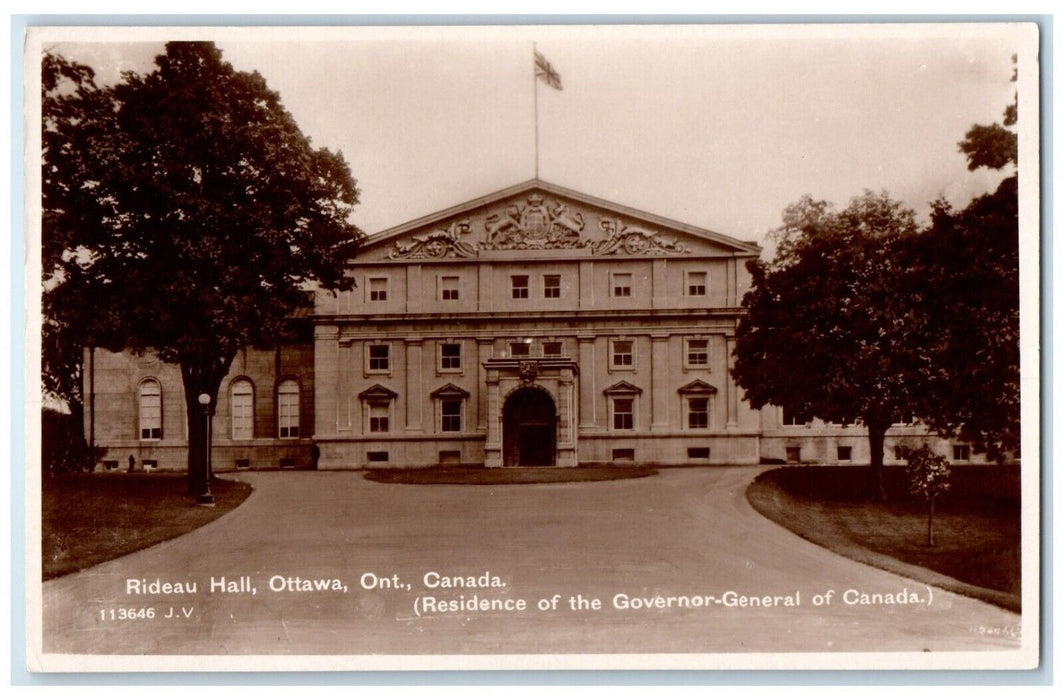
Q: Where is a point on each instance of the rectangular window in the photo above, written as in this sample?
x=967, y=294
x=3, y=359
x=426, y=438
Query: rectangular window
x=794, y=454
x=519, y=286
x=243, y=464
x=378, y=289
x=962, y=453
x=151, y=412
x=552, y=286
x=698, y=412
x=622, y=284
x=450, y=457
x=696, y=284
x=450, y=356
x=378, y=358
x=697, y=353
x=520, y=349
x=623, y=417
x=451, y=416
x=376, y=456
x=449, y=288
x=621, y=354
x=242, y=406
x=845, y=453
x=552, y=349
x=286, y=463
x=288, y=410
x=697, y=453
x=624, y=455
x=378, y=418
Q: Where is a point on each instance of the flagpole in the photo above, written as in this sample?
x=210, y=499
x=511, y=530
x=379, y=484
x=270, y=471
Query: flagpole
x=535, y=103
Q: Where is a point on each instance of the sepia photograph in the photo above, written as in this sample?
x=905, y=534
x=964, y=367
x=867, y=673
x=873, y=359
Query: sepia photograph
x=693, y=346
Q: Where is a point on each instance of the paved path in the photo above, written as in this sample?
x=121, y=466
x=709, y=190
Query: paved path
x=686, y=532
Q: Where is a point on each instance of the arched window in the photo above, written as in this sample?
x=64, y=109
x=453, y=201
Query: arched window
x=288, y=409
x=242, y=413
x=151, y=410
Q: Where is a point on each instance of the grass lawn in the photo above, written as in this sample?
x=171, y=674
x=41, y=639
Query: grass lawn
x=509, y=475
x=977, y=523
x=87, y=519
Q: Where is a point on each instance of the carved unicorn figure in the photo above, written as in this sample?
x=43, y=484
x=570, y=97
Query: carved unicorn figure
x=573, y=222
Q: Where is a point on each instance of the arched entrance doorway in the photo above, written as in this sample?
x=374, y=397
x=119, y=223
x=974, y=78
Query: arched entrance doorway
x=529, y=429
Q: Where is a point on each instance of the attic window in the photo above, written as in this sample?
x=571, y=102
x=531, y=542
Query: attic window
x=696, y=284
x=378, y=289
x=448, y=288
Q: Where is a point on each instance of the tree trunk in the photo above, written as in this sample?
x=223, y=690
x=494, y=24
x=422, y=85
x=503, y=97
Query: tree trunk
x=197, y=444
x=930, y=518
x=876, y=436
x=90, y=459
x=198, y=380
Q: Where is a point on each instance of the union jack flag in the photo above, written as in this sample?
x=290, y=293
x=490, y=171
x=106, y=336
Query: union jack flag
x=545, y=71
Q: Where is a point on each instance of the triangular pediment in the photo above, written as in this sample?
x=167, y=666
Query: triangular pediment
x=537, y=217
x=378, y=393
x=449, y=391
x=622, y=387
x=698, y=387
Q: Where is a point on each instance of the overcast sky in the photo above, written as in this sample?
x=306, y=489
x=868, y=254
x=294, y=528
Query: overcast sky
x=716, y=127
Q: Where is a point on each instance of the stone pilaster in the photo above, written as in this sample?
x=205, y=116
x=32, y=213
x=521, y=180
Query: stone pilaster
x=413, y=397
x=659, y=292
x=566, y=452
x=414, y=288
x=483, y=355
x=493, y=444
x=659, y=383
x=326, y=368
x=587, y=382
x=731, y=390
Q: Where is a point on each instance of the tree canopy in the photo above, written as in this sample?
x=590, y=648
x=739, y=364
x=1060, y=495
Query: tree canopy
x=826, y=331
x=184, y=213
x=861, y=317
x=993, y=145
x=965, y=270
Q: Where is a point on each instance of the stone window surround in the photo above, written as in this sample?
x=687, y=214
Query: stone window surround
x=292, y=424
x=241, y=412
x=370, y=360
x=624, y=391
x=442, y=360
x=375, y=280
x=614, y=355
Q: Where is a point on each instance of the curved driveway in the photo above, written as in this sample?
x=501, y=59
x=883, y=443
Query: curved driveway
x=684, y=532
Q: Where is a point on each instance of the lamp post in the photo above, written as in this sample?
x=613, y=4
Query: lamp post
x=206, y=498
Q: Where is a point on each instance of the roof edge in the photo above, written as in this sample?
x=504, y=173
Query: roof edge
x=558, y=190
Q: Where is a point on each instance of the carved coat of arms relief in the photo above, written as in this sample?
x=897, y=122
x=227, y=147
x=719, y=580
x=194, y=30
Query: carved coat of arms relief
x=537, y=224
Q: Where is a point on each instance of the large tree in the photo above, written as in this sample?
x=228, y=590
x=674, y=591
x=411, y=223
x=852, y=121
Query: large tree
x=185, y=214
x=826, y=328
x=965, y=269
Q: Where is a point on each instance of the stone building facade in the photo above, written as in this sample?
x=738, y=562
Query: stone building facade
x=532, y=326
x=135, y=407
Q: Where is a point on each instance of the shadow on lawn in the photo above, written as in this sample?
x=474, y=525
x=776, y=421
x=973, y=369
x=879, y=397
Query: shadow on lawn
x=977, y=524
x=87, y=519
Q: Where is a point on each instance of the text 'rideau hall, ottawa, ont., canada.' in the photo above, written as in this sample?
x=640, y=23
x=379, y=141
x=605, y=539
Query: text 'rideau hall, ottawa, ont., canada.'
x=532, y=326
